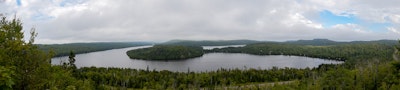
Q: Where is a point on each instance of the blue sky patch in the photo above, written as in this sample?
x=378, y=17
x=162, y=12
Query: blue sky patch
x=330, y=19
x=41, y=17
x=70, y=2
x=377, y=26
x=18, y=2
x=63, y=3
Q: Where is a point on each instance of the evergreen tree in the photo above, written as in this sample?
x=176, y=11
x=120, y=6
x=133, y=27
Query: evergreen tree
x=71, y=60
x=23, y=58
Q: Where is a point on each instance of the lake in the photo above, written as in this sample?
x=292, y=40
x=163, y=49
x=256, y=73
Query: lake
x=208, y=62
x=212, y=47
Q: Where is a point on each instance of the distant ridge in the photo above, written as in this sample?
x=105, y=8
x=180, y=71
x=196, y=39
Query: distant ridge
x=317, y=42
x=209, y=42
x=314, y=42
x=86, y=47
x=324, y=42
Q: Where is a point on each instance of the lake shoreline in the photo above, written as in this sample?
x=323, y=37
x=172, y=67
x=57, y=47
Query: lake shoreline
x=208, y=62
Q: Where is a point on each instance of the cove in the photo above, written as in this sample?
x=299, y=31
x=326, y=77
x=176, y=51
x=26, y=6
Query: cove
x=208, y=62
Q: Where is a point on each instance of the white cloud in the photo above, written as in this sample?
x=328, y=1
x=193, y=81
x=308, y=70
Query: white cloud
x=393, y=30
x=348, y=26
x=395, y=18
x=300, y=19
x=154, y=20
x=273, y=11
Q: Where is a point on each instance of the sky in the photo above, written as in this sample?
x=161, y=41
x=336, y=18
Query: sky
x=68, y=21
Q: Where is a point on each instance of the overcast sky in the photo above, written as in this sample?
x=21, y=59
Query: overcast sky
x=65, y=21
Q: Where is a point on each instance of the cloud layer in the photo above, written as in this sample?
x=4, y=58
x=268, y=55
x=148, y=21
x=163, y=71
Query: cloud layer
x=59, y=21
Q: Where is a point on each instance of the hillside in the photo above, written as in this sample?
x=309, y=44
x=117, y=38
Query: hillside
x=316, y=42
x=325, y=42
x=209, y=42
x=64, y=49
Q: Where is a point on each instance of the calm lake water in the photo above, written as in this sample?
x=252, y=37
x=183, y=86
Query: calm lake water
x=212, y=47
x=208, y=62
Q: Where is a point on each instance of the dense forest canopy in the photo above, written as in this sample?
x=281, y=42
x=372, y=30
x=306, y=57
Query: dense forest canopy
x=350, y=52
x=64, y=49
x=314, y=42
x=327, y=42
x=209, y=42
x=166, y=52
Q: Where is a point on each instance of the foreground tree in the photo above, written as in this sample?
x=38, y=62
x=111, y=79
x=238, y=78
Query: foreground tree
x=27, y=65
x=71, y=61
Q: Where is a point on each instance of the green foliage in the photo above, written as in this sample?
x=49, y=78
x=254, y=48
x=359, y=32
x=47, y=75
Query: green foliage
x=78, y=48
x=326, y=42
x=396, y=65
x=70, y=65
x=132, y=78
x=209, y=43
x=61, y=78
x=166, y=52
x=367, y=65
x=71, y=60
x=317, y=42
x=339, y=78
x=6, y=80
x=24, y=67
x=351, y=53
x=28, y=61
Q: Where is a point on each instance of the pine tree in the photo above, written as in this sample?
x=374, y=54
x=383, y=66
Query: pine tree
x=71, y=60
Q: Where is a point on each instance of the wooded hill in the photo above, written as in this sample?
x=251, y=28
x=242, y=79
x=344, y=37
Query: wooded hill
x=351, y=53
x=314, y=42
x=209, y=42
x=78, y=48
x=326, y=42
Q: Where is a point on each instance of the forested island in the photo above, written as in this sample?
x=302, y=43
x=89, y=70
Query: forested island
x=166, y=52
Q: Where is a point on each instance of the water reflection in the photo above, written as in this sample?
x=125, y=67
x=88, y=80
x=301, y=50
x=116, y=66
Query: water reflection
x=212, y=47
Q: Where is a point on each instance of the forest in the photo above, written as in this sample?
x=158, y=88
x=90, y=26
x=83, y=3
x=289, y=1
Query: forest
x=78, y=48
x=351, y=53
x=327, y=42
x=166, y=52
x=368, y=65
x=209, y=42
x=313, y=42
